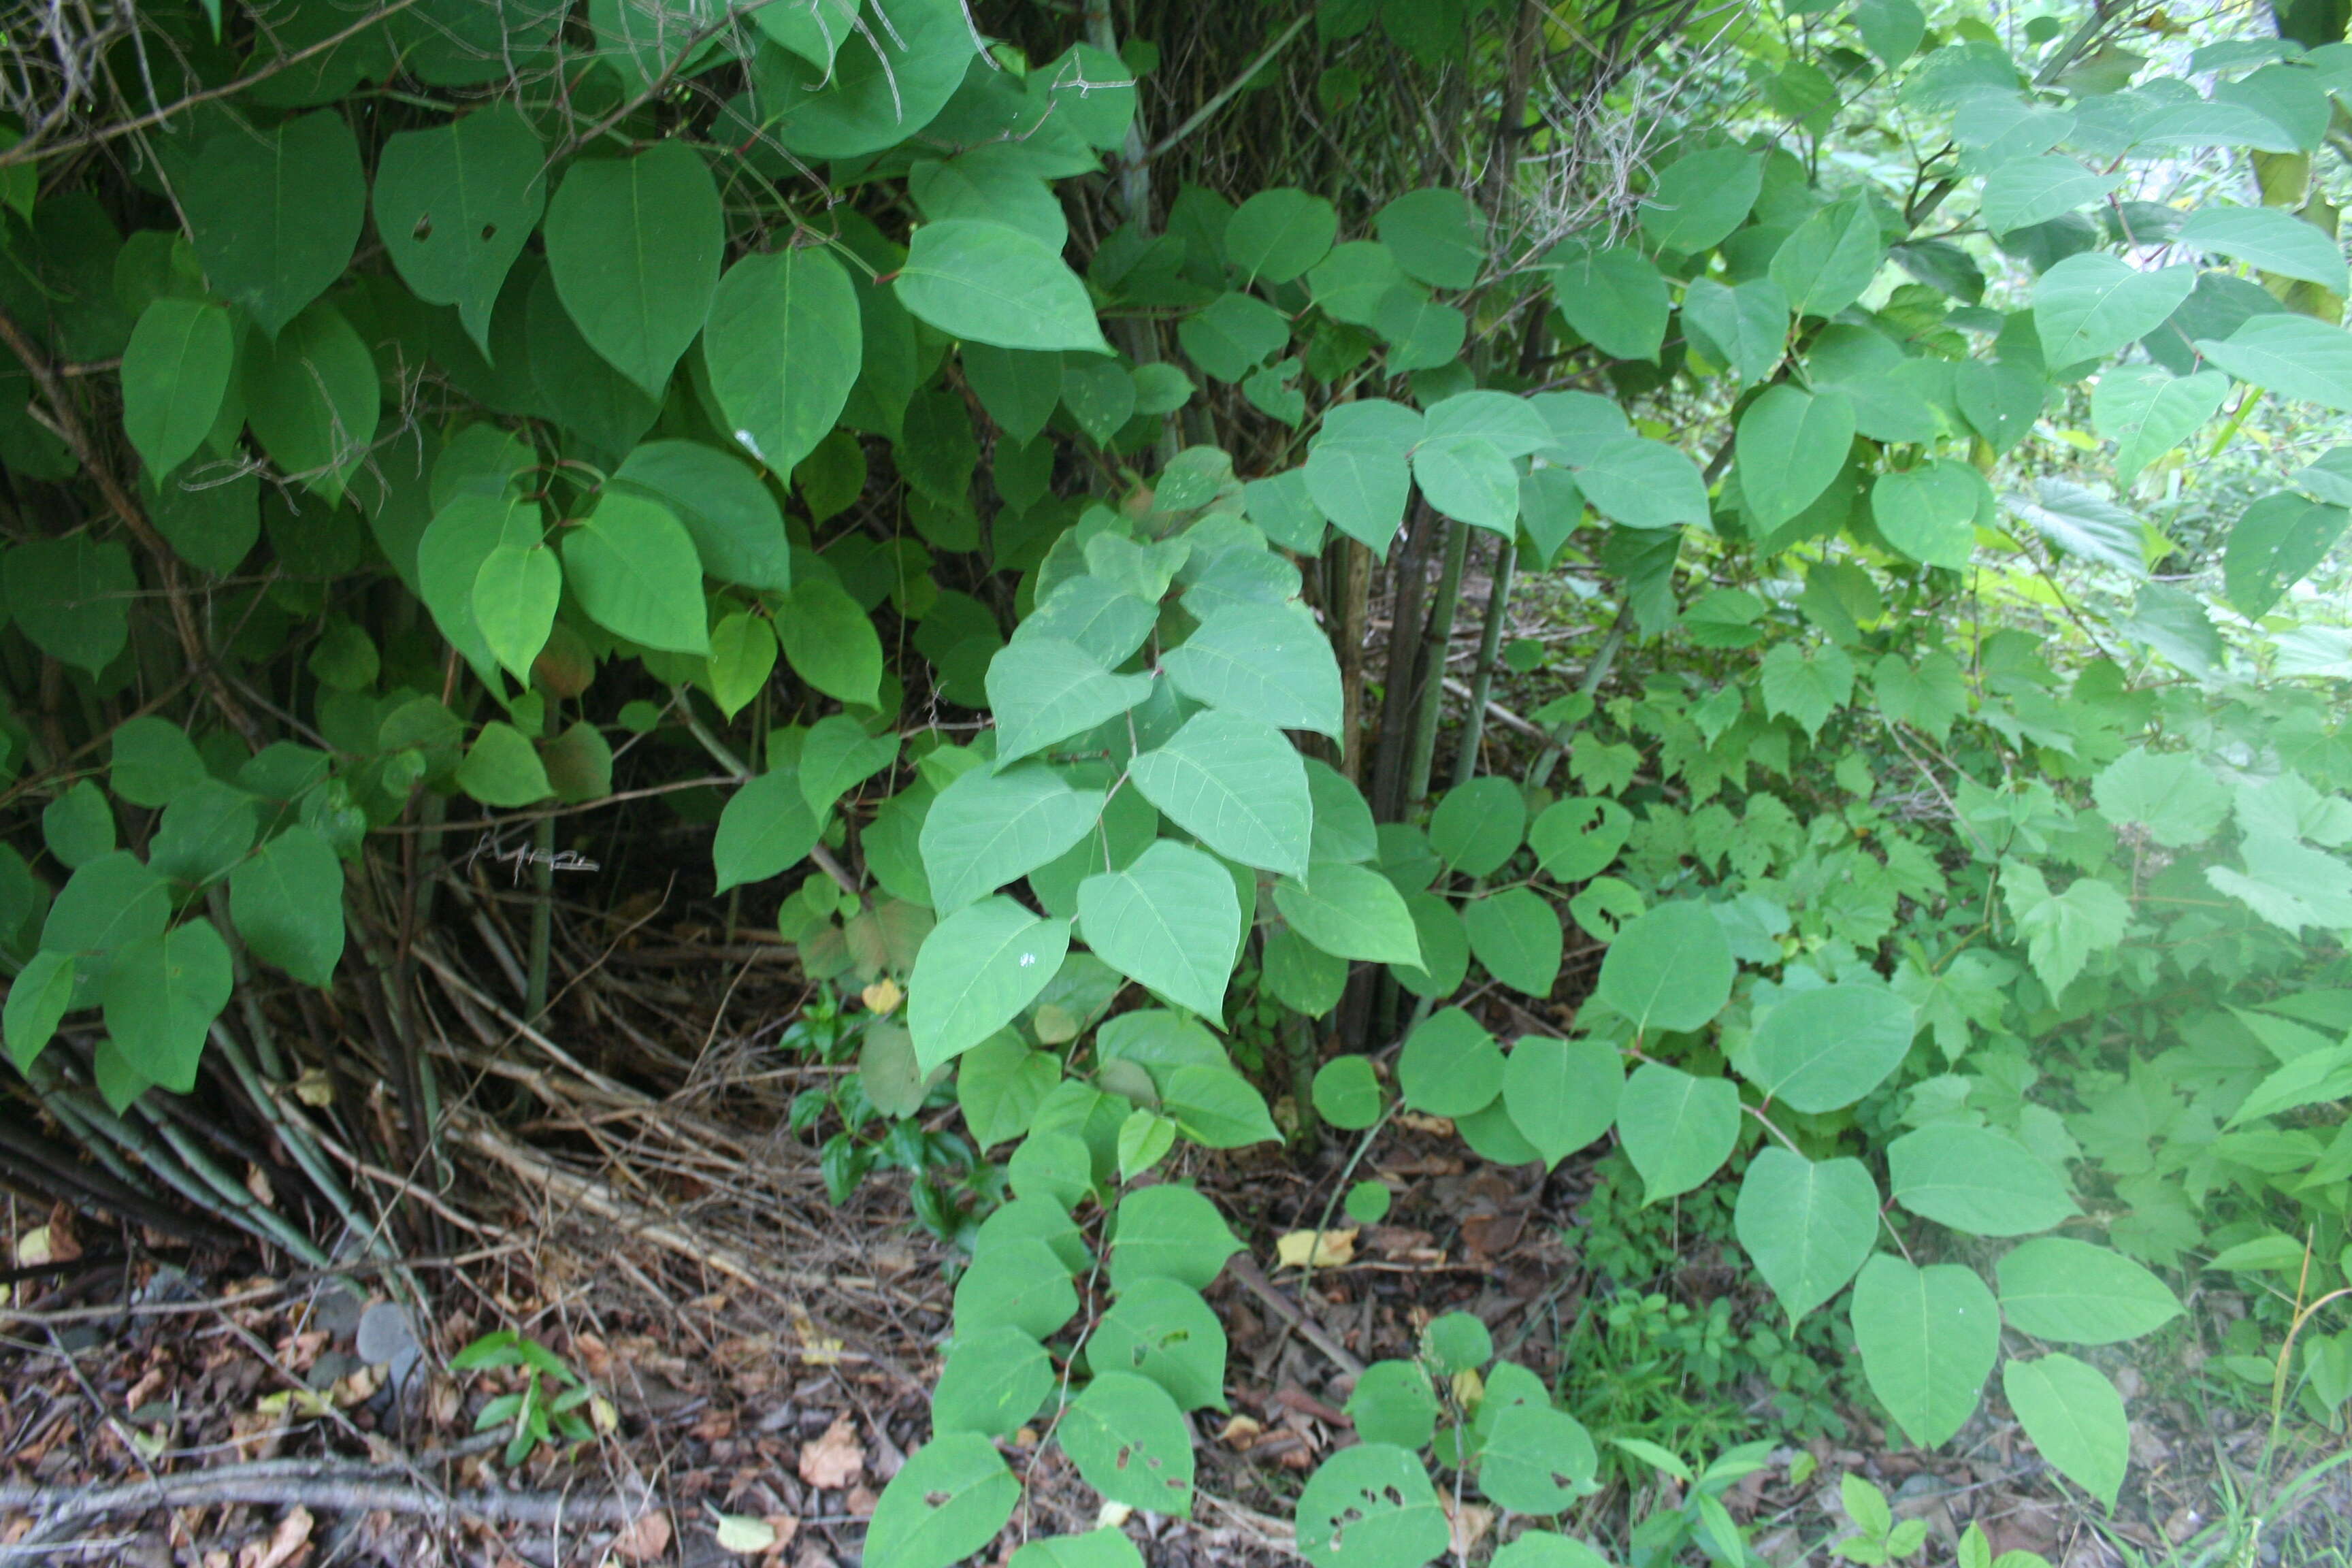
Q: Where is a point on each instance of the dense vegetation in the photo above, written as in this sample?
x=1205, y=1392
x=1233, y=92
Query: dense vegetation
x=1919, y=419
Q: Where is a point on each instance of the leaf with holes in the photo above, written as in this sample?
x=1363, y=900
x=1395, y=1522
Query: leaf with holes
x=1163, y=1331
x=948, y=1499
x=1130, y=1443
x=454, y=205
x=1670, y=969
x=1372, y=1506
x=1537, y=1460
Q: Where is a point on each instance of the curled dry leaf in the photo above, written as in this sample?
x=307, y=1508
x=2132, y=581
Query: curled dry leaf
x=1317, y=1250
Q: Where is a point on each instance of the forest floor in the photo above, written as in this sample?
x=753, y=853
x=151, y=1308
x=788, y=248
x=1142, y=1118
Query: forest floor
x=761, y=1358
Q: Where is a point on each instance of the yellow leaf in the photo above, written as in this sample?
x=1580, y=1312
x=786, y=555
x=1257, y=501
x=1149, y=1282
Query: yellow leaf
x=1316, y=1249
x=883, y=996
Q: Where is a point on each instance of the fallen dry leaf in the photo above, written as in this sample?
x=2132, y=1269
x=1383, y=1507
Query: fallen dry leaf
x=1241, y=1432
x=1326, y=1249
x=644, y=1538
x=289, y=1541
x=883, y=996
x=1470, y=1522
x=834, y=1460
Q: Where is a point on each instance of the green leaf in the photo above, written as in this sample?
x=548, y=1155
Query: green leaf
x=1357, y=473
x=1790, y=446
x=205, y=831
x=1676, y=1129
x=2000, y=399
x=2148, y=412
x=1638, y=482
x=2027, y=191
x=1930, y=512
x=78, y=825
x=2088, y=306
x=2061, y=931
x=1232, y=335
x=831, y=644
x=634, y=568
x=1046, y=688
x=1270, y=663
x=2288, y=884
x=1275, y=235
x=1543, y=1549
x=1478, y=825
x=1017, y=1279
x=1516, y=934
x=742, y=658
x=213, y=527
x=989, y=828
x=287, y=902
x=1749, y=325
x=1807, y=1227
x=2273, y=240
x=1350, y=911
x=883, y=84
x=633, y=247
x=162, y=995
x=1928, y=1339
x=1807, y=684
x=1346, y=1093
x=1351, y=284
x=2289, y=356
x=738, y=531
x=1132, y=1444
x=454, y=205
x=992, y=1383
x=1163, y=1331
x=1829, y=259
x=1537, y=1460
x=2171, y=793
x=837, y=756
x=1577, y=838
x=1169, y=1232
x=515, y=596
x=2075, y=1418
x=783, y=345
x=2070, y=1291
x=765, y=829
x=1468, y=477
x=38, y=999
x=1344, y=831
x=1699, y=199
x=1372, y=1506
x=1891, y=29
x=1671, y=968
x=449, y=558
x=975, y=1495
x=175, y=371
x=1562, y=1094
x=1611, y=295
x=1169, y=922
x=990, y=283
x=1237, y=786
x=1000, y=1084
x=1393, y=1403
x=2275, y=543
x=1975, y=1180
x=1450, y=1066
x=276, y=214
x=1434, y=236
x=109, y=902
x=312, y=399
x=502, y=770
x=1822, y=1050
x=976, y=972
